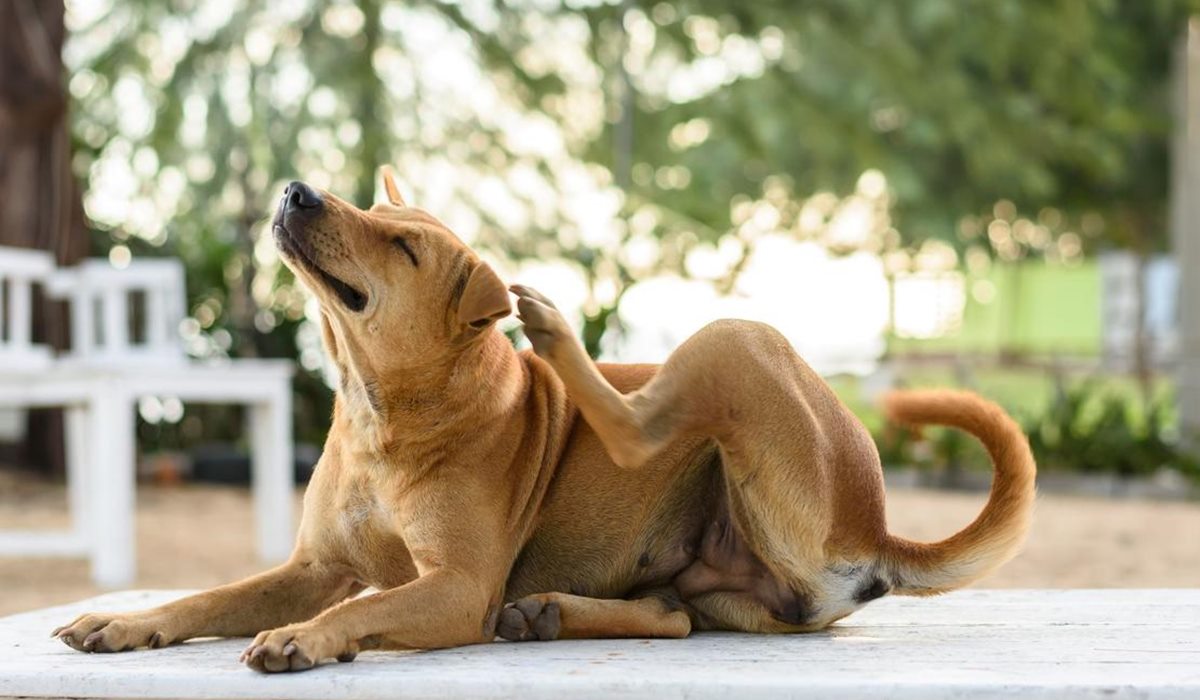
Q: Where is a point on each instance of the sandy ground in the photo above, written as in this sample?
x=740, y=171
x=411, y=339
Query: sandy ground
x=199, y=536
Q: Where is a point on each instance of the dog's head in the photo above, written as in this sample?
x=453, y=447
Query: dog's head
x=397, y=289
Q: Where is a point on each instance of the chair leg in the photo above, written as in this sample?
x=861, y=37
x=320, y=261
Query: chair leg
x=271, y=444
x=111, y=484
x=76, y=424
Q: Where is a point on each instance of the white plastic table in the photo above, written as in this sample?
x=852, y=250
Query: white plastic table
x=977, y=644
x=109, y=366
x=101, y=442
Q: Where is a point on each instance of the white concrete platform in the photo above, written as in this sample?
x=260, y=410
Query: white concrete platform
x=977, y=644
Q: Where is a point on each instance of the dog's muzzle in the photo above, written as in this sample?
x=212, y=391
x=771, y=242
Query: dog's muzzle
x=299, y=205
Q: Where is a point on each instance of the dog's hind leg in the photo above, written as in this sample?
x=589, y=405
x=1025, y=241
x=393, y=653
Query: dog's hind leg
x=546, y=616
x=736, y=381
x=619, y=420
x=692, y=393
x=795, y=461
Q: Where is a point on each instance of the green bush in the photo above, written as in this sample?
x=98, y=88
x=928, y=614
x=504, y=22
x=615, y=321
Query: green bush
x=1086, y=428
x=1093, y=431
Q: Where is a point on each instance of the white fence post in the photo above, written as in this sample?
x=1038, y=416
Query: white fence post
x=1185, y=223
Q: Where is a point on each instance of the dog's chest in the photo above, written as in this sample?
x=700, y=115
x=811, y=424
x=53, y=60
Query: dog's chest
x=366, y=532
x=359, y=512
x=363, y=517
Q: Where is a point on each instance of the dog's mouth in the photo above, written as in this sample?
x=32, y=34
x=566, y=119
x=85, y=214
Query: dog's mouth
x=350, y=297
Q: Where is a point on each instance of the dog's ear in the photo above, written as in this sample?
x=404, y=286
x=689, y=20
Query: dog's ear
x=484, y=299
x=389, y=185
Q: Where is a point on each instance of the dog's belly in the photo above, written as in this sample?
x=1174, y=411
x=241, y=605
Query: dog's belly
x=608, y=532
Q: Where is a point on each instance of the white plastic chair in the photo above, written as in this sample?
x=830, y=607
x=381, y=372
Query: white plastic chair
x=101, y=296
x=19, y=270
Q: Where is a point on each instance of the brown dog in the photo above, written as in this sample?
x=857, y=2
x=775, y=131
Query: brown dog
x=536, y=495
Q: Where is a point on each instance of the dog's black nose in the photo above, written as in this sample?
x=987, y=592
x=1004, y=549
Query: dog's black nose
x=300, y=196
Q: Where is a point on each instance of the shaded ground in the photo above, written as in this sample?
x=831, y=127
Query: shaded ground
x=200, y=536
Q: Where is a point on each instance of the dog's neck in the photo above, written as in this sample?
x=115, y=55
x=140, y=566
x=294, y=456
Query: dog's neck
x=420, y=408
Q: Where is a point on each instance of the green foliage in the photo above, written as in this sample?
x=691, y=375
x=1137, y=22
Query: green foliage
x=1050, y=117
x=1092, y=431
x=960, y=104
x=1087, y=428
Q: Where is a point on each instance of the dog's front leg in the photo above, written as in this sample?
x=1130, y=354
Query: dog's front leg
x=296, y=590
x=443, y=608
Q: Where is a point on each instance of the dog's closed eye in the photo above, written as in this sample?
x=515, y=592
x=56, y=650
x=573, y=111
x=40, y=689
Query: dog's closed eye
x=403, y=245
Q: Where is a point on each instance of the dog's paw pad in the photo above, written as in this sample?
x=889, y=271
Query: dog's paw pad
x=530, y=619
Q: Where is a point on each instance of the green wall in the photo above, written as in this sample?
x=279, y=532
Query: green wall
x=1037, y=308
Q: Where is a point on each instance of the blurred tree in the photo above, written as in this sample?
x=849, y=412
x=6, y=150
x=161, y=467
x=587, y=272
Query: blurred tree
x=1048, y=117
x=961, y=105
x=40, y=203
x=1019, y=127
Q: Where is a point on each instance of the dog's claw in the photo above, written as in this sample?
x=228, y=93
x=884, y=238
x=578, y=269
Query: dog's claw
x=531, y=293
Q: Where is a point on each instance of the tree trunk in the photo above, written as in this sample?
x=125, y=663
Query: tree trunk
x=40, y=203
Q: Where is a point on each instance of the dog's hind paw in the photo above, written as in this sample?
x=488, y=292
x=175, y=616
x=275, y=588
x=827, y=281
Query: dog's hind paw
x=544, y=324
x=530, y=619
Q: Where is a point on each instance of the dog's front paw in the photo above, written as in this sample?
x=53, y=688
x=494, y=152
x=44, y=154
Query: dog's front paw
x=530, y=618
x=297, y=648
x=114, y=632
x=544, y=324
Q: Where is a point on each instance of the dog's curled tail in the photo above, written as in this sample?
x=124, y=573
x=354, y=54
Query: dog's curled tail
x=998, y=532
